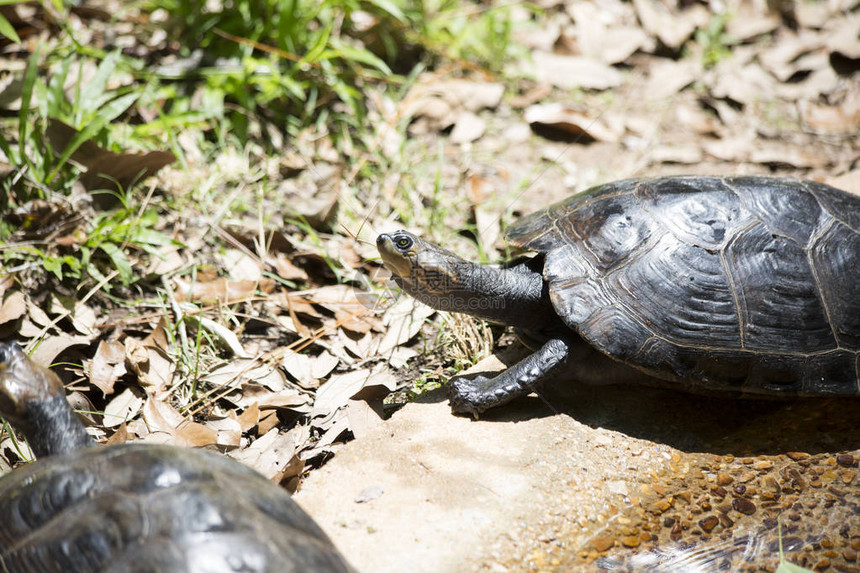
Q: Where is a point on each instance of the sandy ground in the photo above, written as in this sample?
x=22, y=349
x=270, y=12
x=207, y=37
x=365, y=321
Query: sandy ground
x=596, y=479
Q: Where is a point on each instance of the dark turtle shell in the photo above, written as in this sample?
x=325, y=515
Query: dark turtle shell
x=737, y=283
x=141, y=507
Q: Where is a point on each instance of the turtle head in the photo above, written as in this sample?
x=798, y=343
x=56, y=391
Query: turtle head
x=420, y=267
x=442, y=280
x=22, y=382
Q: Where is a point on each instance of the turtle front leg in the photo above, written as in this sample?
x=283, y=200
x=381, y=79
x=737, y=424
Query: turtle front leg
x=474, y=396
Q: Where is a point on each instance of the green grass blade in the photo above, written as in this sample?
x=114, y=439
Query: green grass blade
x=391, y=9
x=26, y=98
x=7, y=30
x=107, y=114
x=95, y=88
x=119, y=260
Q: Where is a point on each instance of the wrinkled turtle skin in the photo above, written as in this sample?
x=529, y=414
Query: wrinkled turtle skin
x=748, y=285
x=138, y=507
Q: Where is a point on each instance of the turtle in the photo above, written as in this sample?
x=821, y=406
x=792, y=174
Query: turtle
x=737, y=285
x=137, y=507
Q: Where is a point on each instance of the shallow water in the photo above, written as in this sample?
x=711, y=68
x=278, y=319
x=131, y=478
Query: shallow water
x=741, y=467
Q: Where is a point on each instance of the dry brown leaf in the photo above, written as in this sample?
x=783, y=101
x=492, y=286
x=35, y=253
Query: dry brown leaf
x=229, y=430
x=820, y=82
x=52, y=346
x=784, y=59
x=444, y=100
x=687, y=154
x=106, y=169
x=192, y=434
x=337, y=425
x=772, y=153
x=569, y=72
x=349, y=312
x=152, y=366
x=734, y=149
x=286, y=269
x=167, y=261
x=122, y=408
x=308, y=369
x=236, y=372
x=362, y=417
x=337, y=390
x=83, y=407
x=220, y=290
x=297, y=304
x=361, y=347
x=315, y=195
x=746, y=84
x=107, y=366
x=163, y=418
x=14, y=306
x=240, y=266
x=268, y=420
x=838, y=119
x=82, y=317
x=120, y=436
x=666, y=78
x=467, y=128
x=274, y=454
x=600, y=35
x=249, y=418
x=843, y=37
x=672, y=29
x=537, y=93
x=581, y=126
x=697, y=120
x=364, y=410
x=402, y=322
x=749, y=23
x=249, y=393
x=37, y=315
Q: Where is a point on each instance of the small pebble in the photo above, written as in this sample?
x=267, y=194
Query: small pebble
x=630, y=541
x=849, y=555
x=724, y=479
x=708, y=523
x=369, y=493
x=744, y=506
x=796, y=456
x=602, y=543
x=763, y=465
x=660, y=506
x=846, y=460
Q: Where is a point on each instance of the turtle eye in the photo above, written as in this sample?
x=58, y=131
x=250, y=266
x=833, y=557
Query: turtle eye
x=403, y=242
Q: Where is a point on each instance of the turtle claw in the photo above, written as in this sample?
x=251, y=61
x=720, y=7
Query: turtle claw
x=465, y=395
